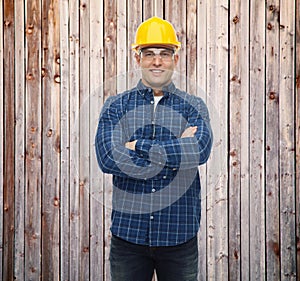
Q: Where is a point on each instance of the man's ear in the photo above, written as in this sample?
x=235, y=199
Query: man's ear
x=137, y=58
x=176, y=58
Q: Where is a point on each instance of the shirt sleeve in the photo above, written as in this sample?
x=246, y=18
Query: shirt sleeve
x=112, y=155
x=183, y=153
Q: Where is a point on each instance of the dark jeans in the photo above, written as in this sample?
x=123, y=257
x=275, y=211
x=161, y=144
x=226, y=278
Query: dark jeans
x=131, y=262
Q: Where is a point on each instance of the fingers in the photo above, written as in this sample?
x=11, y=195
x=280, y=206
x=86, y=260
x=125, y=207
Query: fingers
x=131, y=145
x=189, y=132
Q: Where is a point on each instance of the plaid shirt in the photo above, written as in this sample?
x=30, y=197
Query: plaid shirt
x=156, y=187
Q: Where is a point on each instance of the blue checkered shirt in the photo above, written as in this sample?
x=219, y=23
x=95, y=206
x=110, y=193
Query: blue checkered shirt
x=156, y=187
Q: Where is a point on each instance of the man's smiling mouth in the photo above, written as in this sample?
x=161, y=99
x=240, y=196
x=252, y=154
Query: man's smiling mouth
x=156, y=71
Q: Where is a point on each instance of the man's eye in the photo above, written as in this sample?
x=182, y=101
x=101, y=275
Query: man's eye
x=165, y=54
x=148, y=54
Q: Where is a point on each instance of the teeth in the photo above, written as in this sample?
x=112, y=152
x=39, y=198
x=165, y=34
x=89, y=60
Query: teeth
x=157, y=71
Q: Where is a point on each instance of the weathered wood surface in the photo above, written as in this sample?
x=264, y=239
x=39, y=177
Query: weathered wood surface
x=287, y=142
x=59, y=62
x=1, y=137
x=238, y=139
x=33, y=147
x=257, y=145
x=8, y=139
x=96, y=178
x=84, y=140
x=19, y=269
x=110, y=89
x=65, y=180
x=297, y=108
x=51, y=139
x=217, y=175
x=201, y=91
x=272, y=141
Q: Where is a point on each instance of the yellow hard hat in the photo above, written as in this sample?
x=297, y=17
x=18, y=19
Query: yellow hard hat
x=155, y=31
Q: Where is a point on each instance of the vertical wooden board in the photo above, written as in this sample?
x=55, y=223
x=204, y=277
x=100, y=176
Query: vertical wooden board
x=257, y=142
x=51, y=139
x=1, y=136
x=201, y=92
x=33, y=142
x=153, y=8
x=191, y=46
x=158, y=8
x=148, y=9
x=134, y=19
x=235, y=138
x=110, y=89
x=242, y=19
x=217, y=90
x=9, y=131
x=74, y=191
x=175, y=13
x=65, y=141
x=287, y=139
x=96, y=177
x=272, y=145
x=297, y=104
x=19, y=140
x=121, y=37
x=84, y=154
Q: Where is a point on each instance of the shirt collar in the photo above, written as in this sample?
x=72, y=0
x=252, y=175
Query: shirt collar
x=145, y=90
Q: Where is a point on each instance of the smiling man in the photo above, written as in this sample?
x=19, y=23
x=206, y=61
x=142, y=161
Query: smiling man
x=152, y=139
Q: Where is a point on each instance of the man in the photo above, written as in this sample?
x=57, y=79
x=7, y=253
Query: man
x=152, y=139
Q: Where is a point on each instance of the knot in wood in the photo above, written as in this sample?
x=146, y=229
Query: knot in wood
x=57, y=59
x=236, y=19
x=29, y=29
x=269, y=26
x=49, y=133
x=57, y=78
x=7, y=23
x=272, y=95
x=56, y=201
x=5, y=207
x=272, y=8
x=43, y=72
x=29, y=76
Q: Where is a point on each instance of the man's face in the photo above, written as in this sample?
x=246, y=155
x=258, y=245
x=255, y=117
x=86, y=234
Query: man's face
x=157, y=65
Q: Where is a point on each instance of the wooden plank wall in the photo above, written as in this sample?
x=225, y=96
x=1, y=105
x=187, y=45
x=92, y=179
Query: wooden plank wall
x=60, y=60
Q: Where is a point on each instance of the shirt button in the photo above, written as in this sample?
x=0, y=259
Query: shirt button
x=152, y=102
x=174, y=169
x=164, y=177
x=151, y=217
x=153, y=190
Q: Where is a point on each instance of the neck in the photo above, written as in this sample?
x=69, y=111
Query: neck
x=157, y=92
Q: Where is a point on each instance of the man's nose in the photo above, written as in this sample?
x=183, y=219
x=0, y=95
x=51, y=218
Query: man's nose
x=157, y=60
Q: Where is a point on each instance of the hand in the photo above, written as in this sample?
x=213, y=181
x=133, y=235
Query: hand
x=189, y=132
x=130, y=145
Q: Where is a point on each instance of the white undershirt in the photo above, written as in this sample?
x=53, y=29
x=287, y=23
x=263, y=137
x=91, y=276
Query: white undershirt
x=156, y=100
